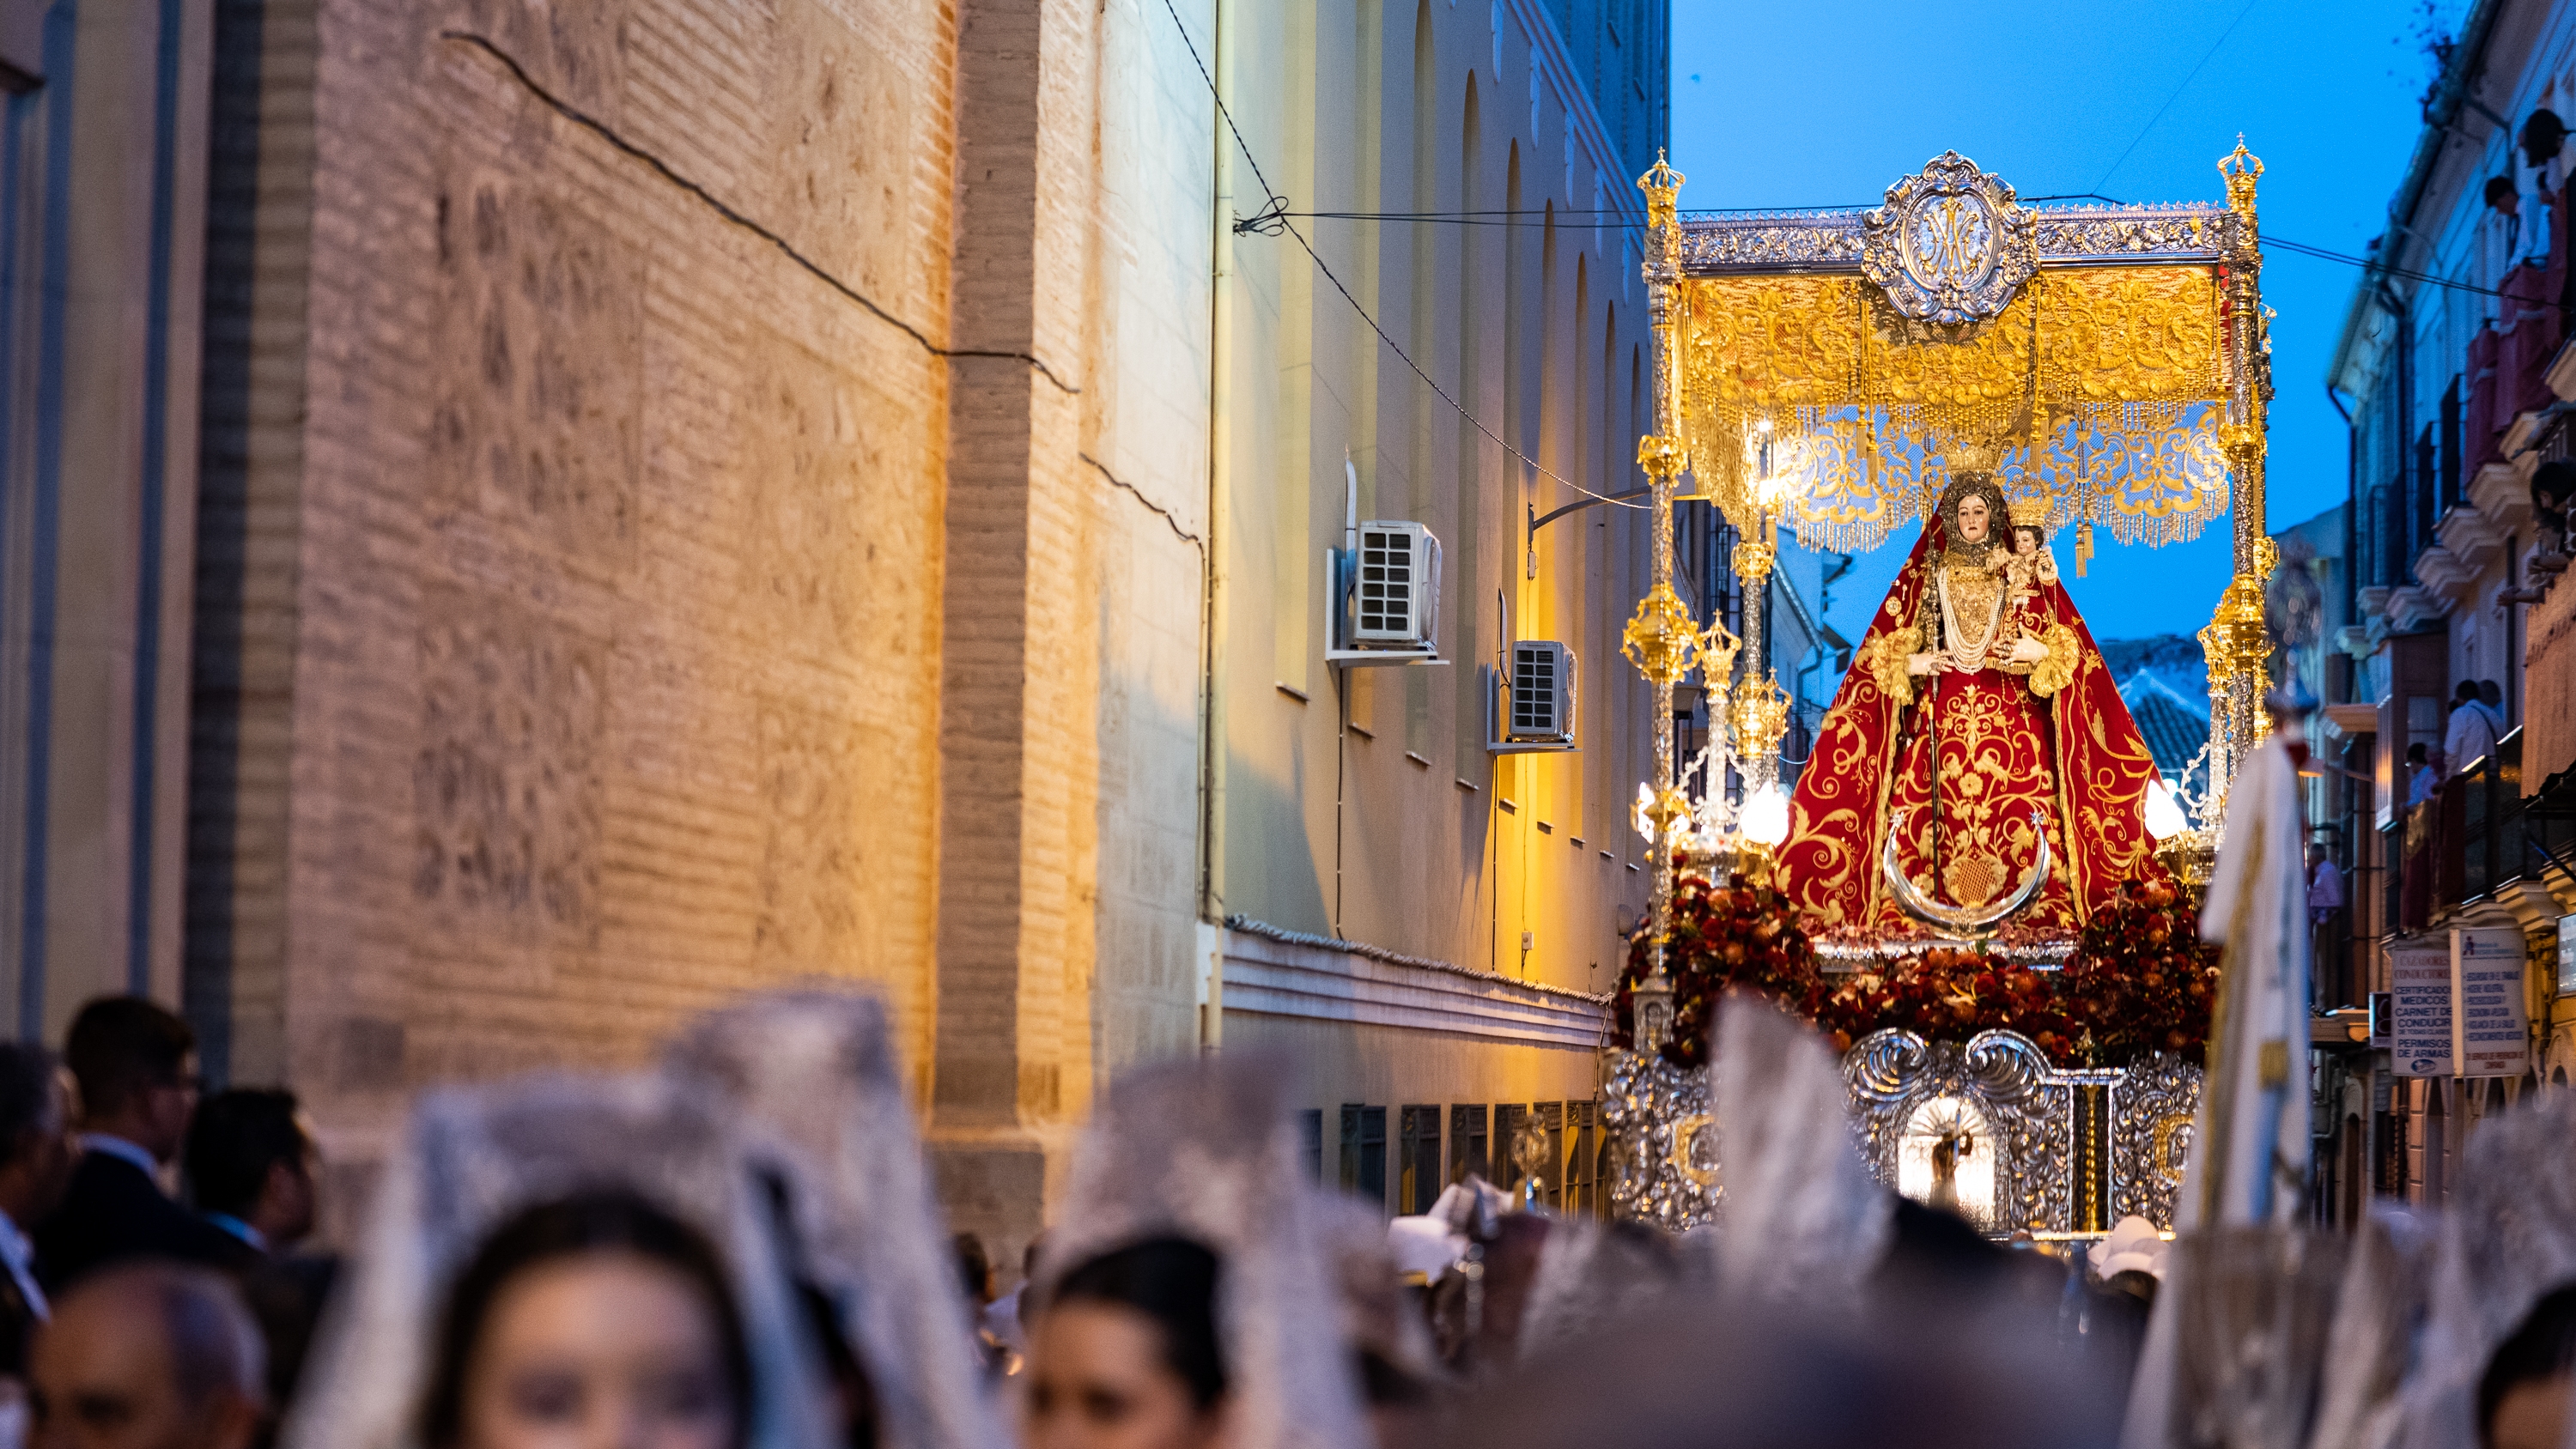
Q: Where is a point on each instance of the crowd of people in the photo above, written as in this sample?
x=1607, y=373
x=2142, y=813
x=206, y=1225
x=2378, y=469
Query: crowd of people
x=741, y=1250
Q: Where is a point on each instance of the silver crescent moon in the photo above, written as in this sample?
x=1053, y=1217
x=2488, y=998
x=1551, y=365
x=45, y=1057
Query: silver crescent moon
x=1973, y=920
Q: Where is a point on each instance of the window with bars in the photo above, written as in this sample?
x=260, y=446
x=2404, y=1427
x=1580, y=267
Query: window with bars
x=1364, y=1152
x=1418, y=1167
x=1467, y=1142
x=1551, y=1172
x=1507, y=1125
x=1582, y=1169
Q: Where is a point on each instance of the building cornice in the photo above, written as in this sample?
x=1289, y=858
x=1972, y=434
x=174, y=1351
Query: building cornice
x=1273, y=971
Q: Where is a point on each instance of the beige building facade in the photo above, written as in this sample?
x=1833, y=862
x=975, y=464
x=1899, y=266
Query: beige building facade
x=1428, y=926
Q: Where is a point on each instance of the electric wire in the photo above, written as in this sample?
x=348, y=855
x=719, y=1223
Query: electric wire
x=1274, y=213
x=2194, y=74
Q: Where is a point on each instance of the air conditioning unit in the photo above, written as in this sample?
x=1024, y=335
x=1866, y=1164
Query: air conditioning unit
x=1529, y=693
x=1540, y=694
x=1396, y=587
x=1381, y=590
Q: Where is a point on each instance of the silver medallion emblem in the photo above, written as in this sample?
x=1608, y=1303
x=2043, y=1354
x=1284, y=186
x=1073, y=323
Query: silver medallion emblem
x=1951, y=246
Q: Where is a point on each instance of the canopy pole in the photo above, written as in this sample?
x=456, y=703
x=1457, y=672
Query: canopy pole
x=2236, y=645
x=1661, y=639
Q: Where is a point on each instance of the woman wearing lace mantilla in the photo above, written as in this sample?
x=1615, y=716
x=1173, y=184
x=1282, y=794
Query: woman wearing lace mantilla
x=1977, y=708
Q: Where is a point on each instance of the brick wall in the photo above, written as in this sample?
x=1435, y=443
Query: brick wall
x=626, y=598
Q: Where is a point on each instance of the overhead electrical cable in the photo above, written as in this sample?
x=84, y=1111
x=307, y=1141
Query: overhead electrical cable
x=2187, y=79
x=1272, y=220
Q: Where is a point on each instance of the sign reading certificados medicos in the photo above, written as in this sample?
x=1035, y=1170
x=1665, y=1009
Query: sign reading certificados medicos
x=2419, y=988
x=2490, y=1027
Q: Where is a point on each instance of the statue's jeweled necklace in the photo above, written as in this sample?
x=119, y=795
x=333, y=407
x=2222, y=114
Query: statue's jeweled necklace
x=1971, y=655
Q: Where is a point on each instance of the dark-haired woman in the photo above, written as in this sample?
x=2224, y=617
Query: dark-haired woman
x=595, y=1319
x=1125, y=1354
x=2523, y=1396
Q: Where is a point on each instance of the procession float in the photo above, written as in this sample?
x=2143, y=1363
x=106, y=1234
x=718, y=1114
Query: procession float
x=1979, y=889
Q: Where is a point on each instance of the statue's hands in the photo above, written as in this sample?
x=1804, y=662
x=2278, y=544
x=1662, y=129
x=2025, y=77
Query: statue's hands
x=1930, y=663
x=2027, y=650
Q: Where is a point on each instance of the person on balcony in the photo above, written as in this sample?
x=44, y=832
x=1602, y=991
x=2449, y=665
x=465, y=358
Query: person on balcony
x=2325, y=885
x=2472, y=733
x=2419, y=774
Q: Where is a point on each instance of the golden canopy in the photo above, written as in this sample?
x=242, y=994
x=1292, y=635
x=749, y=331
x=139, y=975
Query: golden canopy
x=2090, y=357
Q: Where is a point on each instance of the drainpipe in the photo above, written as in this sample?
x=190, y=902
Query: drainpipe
x=1210, y=965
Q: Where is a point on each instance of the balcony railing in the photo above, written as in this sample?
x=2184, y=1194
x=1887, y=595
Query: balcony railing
x=2478, y=835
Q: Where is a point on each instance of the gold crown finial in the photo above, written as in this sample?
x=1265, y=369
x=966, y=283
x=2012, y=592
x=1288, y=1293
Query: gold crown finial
x=1975, y=455
x=2028, y=512
x=2242, y=168
x=1661, y=184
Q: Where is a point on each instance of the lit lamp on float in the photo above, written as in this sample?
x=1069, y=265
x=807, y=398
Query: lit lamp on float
x=1651, y=1011
x=1761, y=713
x=2188, y=855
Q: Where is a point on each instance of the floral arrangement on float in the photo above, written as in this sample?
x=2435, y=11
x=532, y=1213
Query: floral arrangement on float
x=2138, y=982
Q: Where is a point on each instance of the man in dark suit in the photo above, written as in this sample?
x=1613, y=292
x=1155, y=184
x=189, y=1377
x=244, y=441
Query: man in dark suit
x=255, y=1170
x=135, y=1064
x=36, y=1158
x=252, y=1167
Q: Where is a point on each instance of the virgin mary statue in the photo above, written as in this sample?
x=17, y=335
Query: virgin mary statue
x=1977, y=719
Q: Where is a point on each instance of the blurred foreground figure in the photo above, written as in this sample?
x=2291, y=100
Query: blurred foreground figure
x=822, y=1122
x=2504, y=1248
x=1126, y=1355
x=2523, y=1397
x=1186, y=1299
x=147, y=1356
x=569, y=1262
x=36, y=1160
x=1759, y=1375
x=593, y=1319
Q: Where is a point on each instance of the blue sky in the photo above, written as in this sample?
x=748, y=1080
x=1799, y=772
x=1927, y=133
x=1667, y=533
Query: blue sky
x=1824, y=104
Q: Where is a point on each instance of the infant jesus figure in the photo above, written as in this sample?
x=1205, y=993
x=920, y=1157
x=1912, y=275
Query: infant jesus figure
x=2030, y=564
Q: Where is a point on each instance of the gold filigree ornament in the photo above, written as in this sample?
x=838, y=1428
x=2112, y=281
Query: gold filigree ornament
x=1760, y=717
x=1661, y=639
x=1718, y=647
x=1660, y=811
x=2241, y=168
x=2100, y=390
x=2235, y=644
x=1662, y=185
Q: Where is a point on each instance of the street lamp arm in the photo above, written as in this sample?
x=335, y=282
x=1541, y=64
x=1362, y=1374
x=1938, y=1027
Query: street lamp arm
x=1540, y=520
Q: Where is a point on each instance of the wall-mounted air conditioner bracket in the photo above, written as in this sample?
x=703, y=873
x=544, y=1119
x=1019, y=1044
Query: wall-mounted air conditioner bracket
x=1495, y=744
x=1338, y=582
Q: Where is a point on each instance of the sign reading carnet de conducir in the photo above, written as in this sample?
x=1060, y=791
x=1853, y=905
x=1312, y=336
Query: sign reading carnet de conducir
x=2490, y=1025
x=2419, y=988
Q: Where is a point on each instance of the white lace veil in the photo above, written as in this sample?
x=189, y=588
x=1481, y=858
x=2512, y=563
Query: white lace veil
x=815, y=1074
x=1590, y=1279
x=471, y=1159
x=1206, y=1150
x=1802, y=1217
x=2508, y=1239
x=1375, y=1313
x=2386, y=1282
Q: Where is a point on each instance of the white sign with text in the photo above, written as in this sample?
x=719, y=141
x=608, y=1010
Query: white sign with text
x=2419, y=988
x=2490, y=1021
